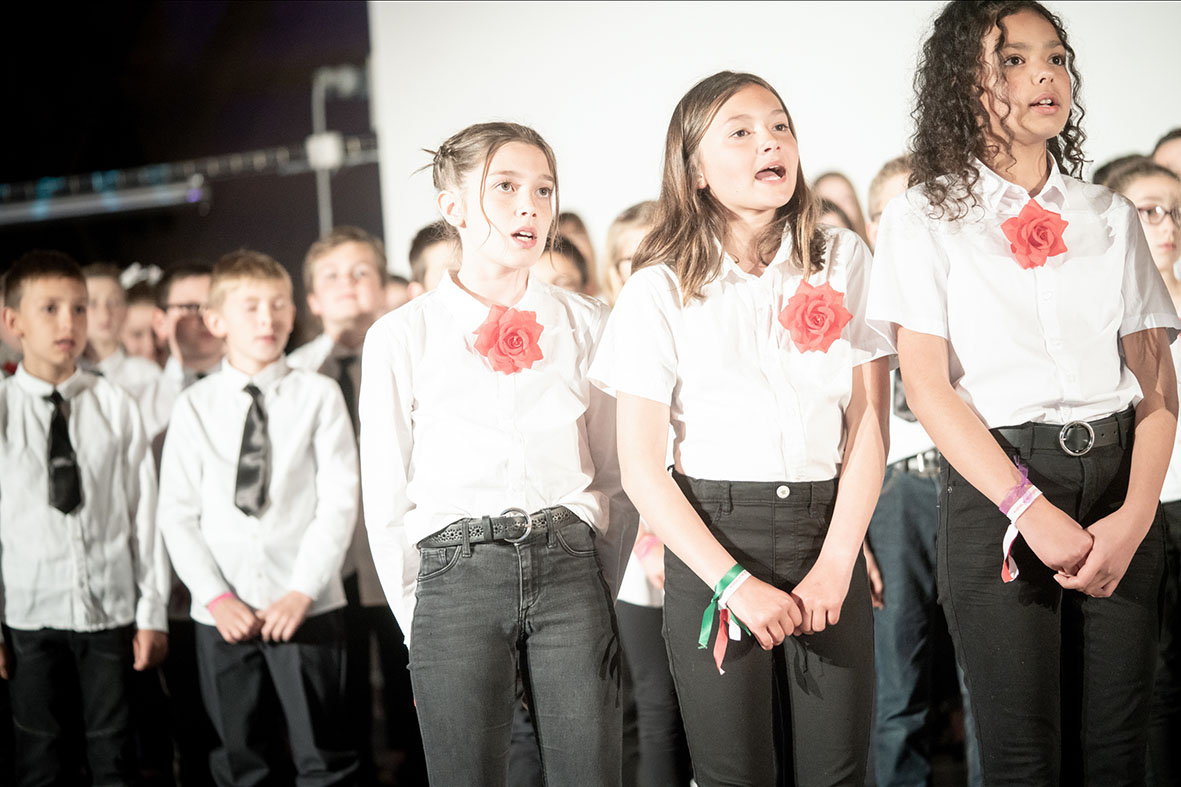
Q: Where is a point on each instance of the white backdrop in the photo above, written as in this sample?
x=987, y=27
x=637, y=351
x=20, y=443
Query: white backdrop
x=599, y=81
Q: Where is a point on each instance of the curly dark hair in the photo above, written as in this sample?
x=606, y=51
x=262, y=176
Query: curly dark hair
x=949, y=115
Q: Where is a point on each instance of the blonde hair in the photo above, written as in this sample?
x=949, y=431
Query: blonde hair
x=691, y=222
x=339, y=236
x=472, y=149
x=239, y=266
x=642, y=214
x=891, y=169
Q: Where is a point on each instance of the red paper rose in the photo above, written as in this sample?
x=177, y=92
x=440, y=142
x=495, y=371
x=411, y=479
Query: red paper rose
x=508, y=339
x=1035, y=234
x=815, y=316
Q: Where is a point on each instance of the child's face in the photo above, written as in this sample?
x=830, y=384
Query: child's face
x=1150, y=192
x=255, y=319
x=840, y=192
x=1169, y=156
x=182, y=321
x=107, y=309
x=137, y=335
x=887, y=191
x=346, y=285
x=396, y=294
x=1031, y=83
x=51, y=325
x=629, y=241
x=438, y=259
x=518, y=209
x=748, y=155
x=559, y=270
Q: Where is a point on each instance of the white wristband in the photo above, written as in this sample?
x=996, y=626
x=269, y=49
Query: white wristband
x=736, y=583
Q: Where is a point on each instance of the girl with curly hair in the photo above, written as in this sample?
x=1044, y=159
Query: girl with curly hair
x=742, y=329
x=1033, y=334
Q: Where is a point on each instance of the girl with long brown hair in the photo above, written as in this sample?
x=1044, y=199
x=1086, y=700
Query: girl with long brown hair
x=742, y=329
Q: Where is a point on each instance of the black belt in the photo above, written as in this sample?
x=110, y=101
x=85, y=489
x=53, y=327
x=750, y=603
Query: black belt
x=1076, y=438
x=513, y=525
x=924, y=464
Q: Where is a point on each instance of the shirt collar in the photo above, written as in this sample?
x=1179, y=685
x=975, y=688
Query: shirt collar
x=1001, y=196
x=465, y=305
x=730, y=268
x=267, y=378
x=77, y=382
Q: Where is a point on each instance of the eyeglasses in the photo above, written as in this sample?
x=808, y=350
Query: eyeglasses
x=193, y=309
x=1155, y=214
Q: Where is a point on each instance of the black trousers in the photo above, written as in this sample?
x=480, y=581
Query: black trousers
x=1164, y=728
x=193, y=735
x=66, y=684
x=247, y=685
x=1060, y=682
x=800, y=713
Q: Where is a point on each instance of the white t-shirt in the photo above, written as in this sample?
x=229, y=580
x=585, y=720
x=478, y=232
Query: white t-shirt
x=1037, y=345
x=746, y=404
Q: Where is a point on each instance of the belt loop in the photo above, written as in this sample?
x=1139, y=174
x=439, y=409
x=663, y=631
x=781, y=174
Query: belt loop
x=466, y=535
x=550, y=531
x=728, y=500
x=813, y=500
x=486, y=528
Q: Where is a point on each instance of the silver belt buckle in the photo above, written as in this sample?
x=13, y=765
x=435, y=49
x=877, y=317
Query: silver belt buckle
x=515, y=512
x=1090, y=437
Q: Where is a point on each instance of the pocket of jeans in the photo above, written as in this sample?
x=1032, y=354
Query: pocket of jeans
x=578, y=539
x=436, y=561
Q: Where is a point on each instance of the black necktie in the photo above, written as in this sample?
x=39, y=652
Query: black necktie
x=254, y=472
x=901, y=408
x=345, y=378
x=65, y=486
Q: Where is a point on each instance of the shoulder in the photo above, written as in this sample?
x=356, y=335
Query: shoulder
x=1099, y=199
x=407, y=320
x=310, y=355
x=653, y=283
x=581, y=310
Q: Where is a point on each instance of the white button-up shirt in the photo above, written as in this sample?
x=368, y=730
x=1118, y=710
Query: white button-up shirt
x=322, y=355
x=745, y=403
x=131, y=373
x=1037, y=345
x=299, y=541
x=444, y=437
x=103, y=564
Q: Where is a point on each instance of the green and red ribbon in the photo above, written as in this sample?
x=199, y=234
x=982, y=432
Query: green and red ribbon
x=729, y=626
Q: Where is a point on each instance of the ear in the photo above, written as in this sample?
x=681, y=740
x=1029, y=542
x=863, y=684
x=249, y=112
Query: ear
x=699, y=181
x=451, y=209
x=160, y=325
x=215, y=323
x=314, y=304
x=11, y=319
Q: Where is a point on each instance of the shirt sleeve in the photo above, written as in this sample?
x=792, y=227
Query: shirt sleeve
x=153, y=573
x=179, y=511
x=637, y=354
x=908, y=279
x=1147, y=303
x=327, y=536
x=386, y=399
x=851, y=253
x=617, y=533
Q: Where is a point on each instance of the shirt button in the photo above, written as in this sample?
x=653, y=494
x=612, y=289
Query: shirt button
x=782, y=491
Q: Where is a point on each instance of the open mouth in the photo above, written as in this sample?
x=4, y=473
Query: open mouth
x=1048, y=103
x=773, y=172
x=524, y=235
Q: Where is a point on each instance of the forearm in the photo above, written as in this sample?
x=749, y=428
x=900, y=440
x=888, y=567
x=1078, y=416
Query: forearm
x=863, y=464
x=1149, y=359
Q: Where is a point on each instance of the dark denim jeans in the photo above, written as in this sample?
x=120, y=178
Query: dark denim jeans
x=1060, y=682
x=1164, y=729
x=902, y=536
x=540, y=607
x=797, y=714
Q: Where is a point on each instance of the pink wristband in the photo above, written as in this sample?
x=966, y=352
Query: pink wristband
x=1017, y=491
x=645, y=545
x=218, y=600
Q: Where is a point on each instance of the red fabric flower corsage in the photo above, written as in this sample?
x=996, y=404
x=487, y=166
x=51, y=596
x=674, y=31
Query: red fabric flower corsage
x=508, y=339
x=1035, y=235
x=9, y=368
x=815, y=316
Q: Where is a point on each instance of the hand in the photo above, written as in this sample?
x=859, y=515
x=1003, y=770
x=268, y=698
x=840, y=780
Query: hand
x=653, y=564
x=149, y=648
x=281, y=619
x=1115, y=540
x=820, y=595
x=3, y=661
x=1056, y=539
x=234, y=620
x=877, y=594
x=769, y=613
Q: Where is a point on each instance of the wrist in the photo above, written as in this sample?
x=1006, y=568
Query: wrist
x=645, y=544
x=218, y=600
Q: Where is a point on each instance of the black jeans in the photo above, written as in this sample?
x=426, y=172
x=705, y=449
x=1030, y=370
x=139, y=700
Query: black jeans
x=247, y=684
x=1164, y=728
x=663, y=753
x=65, y=682
x=797, y=714
x=1060, y=682
x=489, y=610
